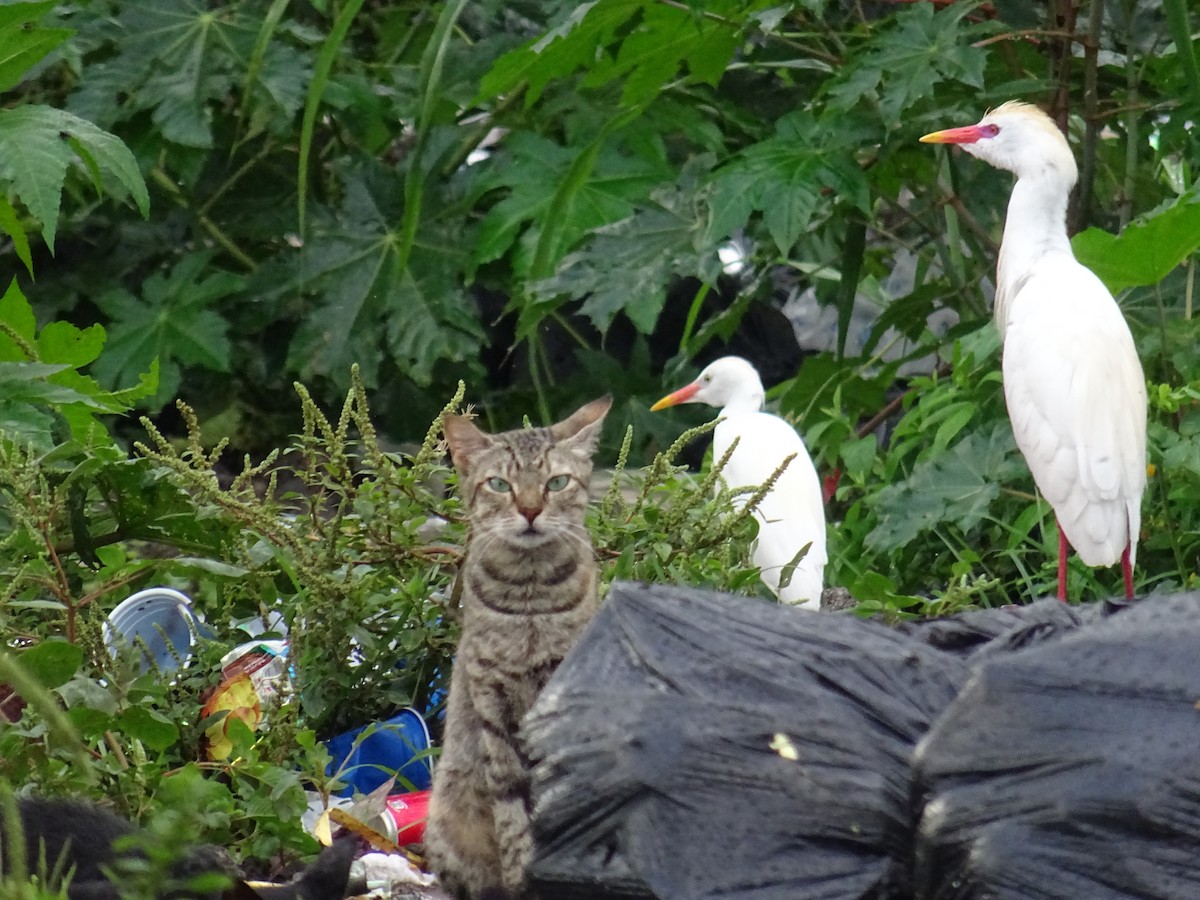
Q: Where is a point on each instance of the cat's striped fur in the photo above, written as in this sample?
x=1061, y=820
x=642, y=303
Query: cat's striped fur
x=528, y=588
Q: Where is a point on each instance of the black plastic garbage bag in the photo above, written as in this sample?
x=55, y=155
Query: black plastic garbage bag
x=1071, y=769
x=989, y=631
x=698, y=745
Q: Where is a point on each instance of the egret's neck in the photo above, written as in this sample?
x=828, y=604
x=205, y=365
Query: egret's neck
x=1036, y=226
x=750, y=401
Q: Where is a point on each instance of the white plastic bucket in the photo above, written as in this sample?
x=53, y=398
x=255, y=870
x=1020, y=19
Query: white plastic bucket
x=162, y=617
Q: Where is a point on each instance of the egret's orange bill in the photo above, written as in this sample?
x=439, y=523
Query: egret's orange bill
x=968, y=134
x=683, y=395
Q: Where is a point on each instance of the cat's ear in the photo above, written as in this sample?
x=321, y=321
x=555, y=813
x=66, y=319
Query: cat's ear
x=465, y=441
x=582, y=429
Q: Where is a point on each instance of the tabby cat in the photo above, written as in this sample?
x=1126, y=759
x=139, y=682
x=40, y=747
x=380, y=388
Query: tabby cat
x=528, y=588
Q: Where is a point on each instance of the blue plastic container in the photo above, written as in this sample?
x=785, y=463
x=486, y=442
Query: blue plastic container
x=392, y=749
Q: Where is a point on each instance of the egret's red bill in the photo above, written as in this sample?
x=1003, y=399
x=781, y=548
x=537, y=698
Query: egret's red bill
x=683, y=395
x=968, y=134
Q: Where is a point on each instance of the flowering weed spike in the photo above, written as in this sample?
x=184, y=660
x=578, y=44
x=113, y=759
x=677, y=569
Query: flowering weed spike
x=431, y=446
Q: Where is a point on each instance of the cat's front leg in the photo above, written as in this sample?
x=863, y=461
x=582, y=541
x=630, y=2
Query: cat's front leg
x=506, y=778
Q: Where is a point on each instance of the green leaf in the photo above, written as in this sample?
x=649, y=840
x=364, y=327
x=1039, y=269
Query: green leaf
x=858, y=455
x=36, y=151
x=364, y=302
x=1147, y=250
x=10, y=224
x=23, y=44
x=957, y=486
x=792, y=178
x=564, y=194
x=51, y=663
x=173, y=321
x=560, y=51
x=647, y=45
x=17, y=314
x=176, y=61
x=665, y=39
x=920, y=49
x=626, y=266
x=152, y=728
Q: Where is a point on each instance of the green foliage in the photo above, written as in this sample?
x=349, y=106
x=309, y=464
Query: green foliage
x=356, y=547
x=531, y=199
x=172, y=323
x=1147, y=251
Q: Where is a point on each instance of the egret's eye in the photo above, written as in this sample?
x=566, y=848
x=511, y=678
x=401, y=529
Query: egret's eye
x=990, y=130
x=558, y=482
x=499, y=485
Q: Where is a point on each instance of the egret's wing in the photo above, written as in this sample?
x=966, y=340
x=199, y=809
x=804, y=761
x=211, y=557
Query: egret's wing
x=1077, y=400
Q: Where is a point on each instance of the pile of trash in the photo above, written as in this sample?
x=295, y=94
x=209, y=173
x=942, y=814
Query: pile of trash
x=697, y=745
x=385, y=767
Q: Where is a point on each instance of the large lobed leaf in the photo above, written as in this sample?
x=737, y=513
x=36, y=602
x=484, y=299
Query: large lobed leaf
x=181, y=60
x=907, y=61
x=532, y=171
x=645, y=44
x=363, y=302
x=792, y=178
x=173, y=321
x=1147, y=250
x=37, y=146
x=626, y=266
x=955, y=487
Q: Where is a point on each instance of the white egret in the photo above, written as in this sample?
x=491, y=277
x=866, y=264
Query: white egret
x=792, y=513
x=1073, y=383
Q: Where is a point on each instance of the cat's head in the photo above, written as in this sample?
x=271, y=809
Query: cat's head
x=528, y=486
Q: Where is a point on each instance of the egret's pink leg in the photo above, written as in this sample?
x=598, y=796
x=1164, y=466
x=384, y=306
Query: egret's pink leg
x=1062, y=563
x=1127, y=571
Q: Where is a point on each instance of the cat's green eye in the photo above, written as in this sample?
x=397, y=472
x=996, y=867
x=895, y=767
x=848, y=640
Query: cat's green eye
x=558, y=482
x=499, y=485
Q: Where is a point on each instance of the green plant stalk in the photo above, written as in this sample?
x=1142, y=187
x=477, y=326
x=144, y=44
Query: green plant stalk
x=432, y=62
x=269, y=24
x=163, y=180
x=1189, y=290
x=316, y=90
x=612, y=497
x=953, y=235
x=535, y=375
x=854, y=246
x=1171, y=526
x=1177, y=20
x=693, y=314
x=1125, y=210
x=1091, y=102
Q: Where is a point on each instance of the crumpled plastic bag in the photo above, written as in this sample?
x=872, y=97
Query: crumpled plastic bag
x=698, y=745
x=1070, y=769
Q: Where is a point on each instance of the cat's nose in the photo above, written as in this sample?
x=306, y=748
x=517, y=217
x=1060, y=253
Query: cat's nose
x=529, y=512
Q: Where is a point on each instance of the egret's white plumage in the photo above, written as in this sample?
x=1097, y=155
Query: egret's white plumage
x=792, y=513
x=1073, y=382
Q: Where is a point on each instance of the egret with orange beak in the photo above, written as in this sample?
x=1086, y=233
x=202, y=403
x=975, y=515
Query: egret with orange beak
x=792, y=513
